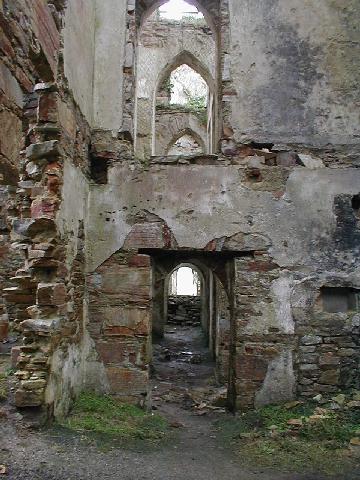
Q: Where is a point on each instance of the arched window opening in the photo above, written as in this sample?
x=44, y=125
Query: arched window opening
x=184, y=298
x=185, y=145
x=185, y=281
x=182, y=110
x=189, y=88
x=179, y=10
x=186, y=89
x=176, y=79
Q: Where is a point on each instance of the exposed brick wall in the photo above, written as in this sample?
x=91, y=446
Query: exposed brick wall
x=120, y=323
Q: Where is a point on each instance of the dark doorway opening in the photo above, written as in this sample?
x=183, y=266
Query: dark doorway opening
x=192, y=332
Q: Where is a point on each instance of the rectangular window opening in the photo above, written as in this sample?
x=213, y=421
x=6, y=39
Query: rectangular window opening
x=340, y=299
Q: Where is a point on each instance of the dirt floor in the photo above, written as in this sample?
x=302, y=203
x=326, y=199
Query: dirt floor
x=184, y=392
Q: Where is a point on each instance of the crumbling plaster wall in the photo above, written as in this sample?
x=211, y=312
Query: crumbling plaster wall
x=295, y=70
x=94, y=58
x=295, y=224
x=73, y=208
x=79, y=48
x=112, y=55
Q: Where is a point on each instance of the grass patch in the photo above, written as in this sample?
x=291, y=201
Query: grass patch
x=3, y=387
x=105, y=415
x=5, y=372
x=295, y=455
x=318, y=443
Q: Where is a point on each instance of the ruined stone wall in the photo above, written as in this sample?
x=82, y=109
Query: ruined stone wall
x=222, y=341
x=120, y=292
x=20, y=60
x=46, y=150
x=11, y=259
x=50, y=369
x=98, y=56
x=296, y=84
x=87, y=216
x=287, y=344
x=184, y=310
x=10, y=144
x=112, y=56
x=27, y=52
x=287, y=211
x=292, y=206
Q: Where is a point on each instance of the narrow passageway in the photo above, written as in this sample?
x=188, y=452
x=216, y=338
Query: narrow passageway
x=181, y=360
x=183, y=366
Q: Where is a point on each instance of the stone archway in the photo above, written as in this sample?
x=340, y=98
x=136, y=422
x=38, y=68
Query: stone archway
x=182, y=120
x=157, y=57
x=178, y=135
x=185, y=145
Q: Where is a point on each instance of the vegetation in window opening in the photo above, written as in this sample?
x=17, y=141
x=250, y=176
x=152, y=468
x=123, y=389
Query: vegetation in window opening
x=169, y=86
x=187, y=20
x=195, y=104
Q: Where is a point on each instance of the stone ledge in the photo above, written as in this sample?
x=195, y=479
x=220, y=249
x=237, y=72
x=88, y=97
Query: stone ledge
x=188, y=160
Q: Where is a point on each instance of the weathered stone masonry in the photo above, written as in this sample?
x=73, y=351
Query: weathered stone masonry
x=89, y=231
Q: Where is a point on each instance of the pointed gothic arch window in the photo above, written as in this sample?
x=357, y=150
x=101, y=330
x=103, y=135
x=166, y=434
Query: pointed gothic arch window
x=176, y=76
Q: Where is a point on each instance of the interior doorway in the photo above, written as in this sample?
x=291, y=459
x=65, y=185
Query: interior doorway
x=181, y=356
x=191, y=324
x=184, y=297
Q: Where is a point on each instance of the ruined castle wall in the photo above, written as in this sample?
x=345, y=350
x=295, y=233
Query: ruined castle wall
x=217, y=202
x=26, y=51
x=11, y=141
x=56, y=159
x=45, y=153
x=296, y=83
x=83, y=206
x=95, y=58
x=222, y=326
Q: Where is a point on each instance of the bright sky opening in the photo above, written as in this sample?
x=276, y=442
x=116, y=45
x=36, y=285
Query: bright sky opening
x=176, y=9
x=186, y=284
